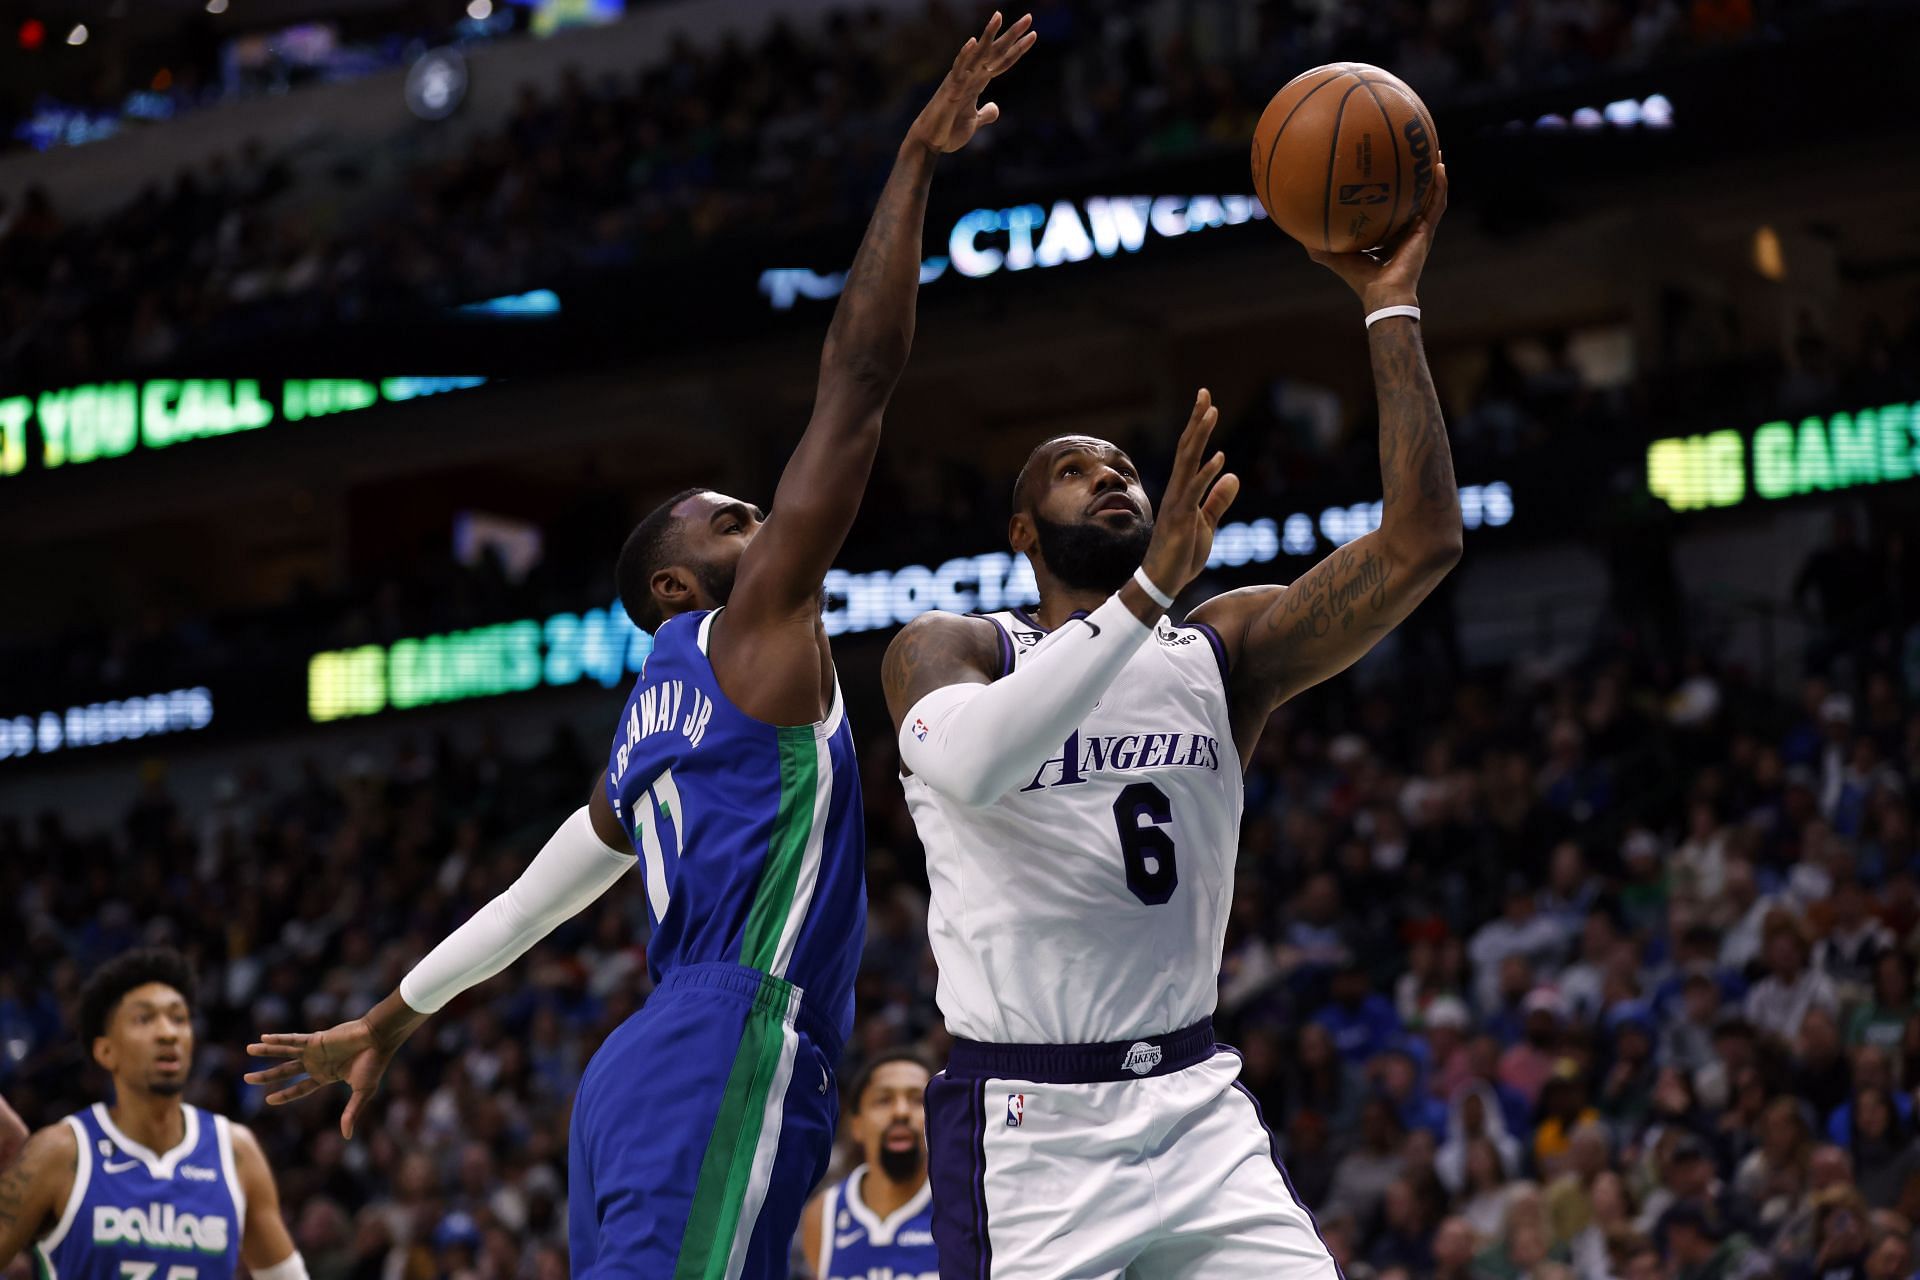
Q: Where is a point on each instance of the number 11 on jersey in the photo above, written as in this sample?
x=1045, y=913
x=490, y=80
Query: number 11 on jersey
x=660, y=801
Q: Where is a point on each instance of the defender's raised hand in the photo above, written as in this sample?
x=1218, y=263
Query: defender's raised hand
x=949, y=121
x=1197, y=496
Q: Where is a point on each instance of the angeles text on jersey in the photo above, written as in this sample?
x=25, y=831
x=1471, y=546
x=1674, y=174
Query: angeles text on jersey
x=159, y=1226
x=1083, y=755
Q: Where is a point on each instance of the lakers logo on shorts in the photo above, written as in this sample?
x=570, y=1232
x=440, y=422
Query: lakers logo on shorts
x=1141, y=1058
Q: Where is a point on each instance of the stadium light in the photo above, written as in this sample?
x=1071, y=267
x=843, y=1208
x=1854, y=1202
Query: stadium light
x=216, y=6
x=77, y=36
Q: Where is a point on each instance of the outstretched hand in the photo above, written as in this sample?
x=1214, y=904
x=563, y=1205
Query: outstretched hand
x=1197, y=496
x=1390, y=275
x=949, y=122
x=348, y=1053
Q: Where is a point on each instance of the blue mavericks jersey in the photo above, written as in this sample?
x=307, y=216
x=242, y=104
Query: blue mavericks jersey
x=137, y=1215
x=751, y=836
x=857, y=1244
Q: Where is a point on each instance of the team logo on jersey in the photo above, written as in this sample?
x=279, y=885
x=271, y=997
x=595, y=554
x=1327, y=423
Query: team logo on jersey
x=1141, y=1058
x=194, y=1173
x=1016, y=1109
x=160, y=1226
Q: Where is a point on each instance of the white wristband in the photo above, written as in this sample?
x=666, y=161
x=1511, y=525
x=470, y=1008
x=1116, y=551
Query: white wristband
x=1154, y=593
x=291, y=1267
x=1384, y=312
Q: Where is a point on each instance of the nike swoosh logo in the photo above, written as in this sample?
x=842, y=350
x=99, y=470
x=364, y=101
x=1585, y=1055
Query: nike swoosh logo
x=122, y=1167
x=844, y=1242
x=1092, y=625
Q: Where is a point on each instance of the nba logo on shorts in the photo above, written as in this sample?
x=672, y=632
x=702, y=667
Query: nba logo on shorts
x=1016, y=1109
x=1141, y=1058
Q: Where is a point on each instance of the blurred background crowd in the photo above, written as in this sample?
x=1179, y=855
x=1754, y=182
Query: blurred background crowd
x=791, y=131
x=1574, y=931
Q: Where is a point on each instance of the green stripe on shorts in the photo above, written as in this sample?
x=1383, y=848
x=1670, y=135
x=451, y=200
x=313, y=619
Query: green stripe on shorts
x=734, y=1147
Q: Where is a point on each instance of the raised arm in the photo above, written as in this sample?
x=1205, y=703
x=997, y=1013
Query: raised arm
x=781, y=573
x=973, y=738
x=582, y=861
x=1281, y=640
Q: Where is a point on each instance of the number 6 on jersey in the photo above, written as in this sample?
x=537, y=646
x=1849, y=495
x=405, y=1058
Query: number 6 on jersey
x=1142, y=813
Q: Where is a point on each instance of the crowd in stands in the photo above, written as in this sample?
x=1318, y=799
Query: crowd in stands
x=792, y=131
x=1570, y=971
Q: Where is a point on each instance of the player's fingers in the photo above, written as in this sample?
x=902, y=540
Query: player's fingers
x=1209, y=471
x=1437, y=202
x=986, y=115
x=963, y=60
x=274, y=1075
x=992, y=29
x=351, y=1116
x=286, y=1037
x=1018, y=52
x=1221, y=497
x=1006, y=38
x=293, y=1093
x=259, y=1049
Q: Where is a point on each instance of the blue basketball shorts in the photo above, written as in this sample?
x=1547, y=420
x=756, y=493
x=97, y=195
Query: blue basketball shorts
x=700, y=1128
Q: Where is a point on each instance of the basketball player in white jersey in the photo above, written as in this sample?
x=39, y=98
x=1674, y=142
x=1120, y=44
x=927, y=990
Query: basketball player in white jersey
x=1072, y=774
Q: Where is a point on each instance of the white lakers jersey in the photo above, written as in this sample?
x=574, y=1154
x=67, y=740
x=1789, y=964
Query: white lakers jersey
x=1089, y=903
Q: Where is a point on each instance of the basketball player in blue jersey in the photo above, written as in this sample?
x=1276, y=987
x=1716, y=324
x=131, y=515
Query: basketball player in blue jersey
x=702, y=1123
x=146, y=1187
x=877, y=1222
x=1072, y=773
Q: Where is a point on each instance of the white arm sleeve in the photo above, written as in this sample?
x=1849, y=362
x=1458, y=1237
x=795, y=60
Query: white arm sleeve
x=975, y=741
x=572, y=870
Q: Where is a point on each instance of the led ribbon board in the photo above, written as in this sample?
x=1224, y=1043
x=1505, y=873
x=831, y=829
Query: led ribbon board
x=99, y=420
x=99, y=723
x=1786, y=460
x=1026, y=236
x=603, y=645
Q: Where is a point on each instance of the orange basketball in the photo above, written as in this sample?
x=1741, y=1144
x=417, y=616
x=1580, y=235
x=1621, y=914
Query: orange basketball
x=1343, y=157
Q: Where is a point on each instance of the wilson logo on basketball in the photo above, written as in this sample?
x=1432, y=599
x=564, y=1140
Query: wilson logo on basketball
x=1421, y=148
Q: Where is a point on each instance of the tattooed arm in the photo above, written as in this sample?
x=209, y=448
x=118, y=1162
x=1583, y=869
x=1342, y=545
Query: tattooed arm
x=1281, y=640
x=34, y=1188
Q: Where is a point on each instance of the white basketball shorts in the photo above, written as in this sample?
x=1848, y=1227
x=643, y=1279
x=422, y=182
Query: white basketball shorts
x=1144, y=1159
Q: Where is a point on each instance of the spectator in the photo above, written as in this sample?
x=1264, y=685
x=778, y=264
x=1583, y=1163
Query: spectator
x=1474, y=1116
x=1361, y=1178
x=1779, y=1001
x=1882, y=1147
x=1526, y=1067
x=1773, y=1176
x=1361, y=1022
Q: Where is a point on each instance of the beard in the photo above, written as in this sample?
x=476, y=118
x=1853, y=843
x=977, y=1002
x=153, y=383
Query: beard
x=901, y=1166
x=717, y=581
x=167, y=1088
x=1090, y=556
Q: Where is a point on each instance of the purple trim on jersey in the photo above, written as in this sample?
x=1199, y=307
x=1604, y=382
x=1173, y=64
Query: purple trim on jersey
x=1273, y=1149
x=1213, y=638
x=1006, y=645
x=957, y=1167
x=1084, y=1063
x=1021, y=614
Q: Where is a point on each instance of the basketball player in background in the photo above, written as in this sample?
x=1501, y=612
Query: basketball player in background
x=877, y=1222
x=1072, y=775
x=147, y=1187
x=704, y=1120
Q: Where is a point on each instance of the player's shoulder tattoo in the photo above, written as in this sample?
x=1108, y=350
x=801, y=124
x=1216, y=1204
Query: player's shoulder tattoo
x=933, y=650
